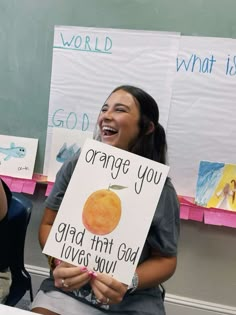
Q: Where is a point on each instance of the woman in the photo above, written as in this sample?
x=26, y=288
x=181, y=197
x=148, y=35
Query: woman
x=128, y=120
x=5, y=275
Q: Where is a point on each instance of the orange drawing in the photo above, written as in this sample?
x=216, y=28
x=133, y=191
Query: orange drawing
x=102, y=211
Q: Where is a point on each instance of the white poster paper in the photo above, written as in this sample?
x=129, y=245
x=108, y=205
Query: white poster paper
x=107, y=210
x=88, y=63
x=202, y=120
x=9, y=310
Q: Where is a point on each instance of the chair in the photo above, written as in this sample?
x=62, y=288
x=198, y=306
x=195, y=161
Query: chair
x=163, y=291
x=19, y=213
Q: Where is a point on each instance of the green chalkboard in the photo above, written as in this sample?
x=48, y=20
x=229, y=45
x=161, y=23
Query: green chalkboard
x=26, y=40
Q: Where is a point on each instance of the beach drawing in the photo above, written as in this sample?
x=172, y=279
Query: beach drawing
x=216, y=185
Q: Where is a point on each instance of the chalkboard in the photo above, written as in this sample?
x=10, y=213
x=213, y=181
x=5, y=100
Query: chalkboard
x=26, y=36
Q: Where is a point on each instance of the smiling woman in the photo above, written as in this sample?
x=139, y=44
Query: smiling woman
x=118, y=120
x=129, y=120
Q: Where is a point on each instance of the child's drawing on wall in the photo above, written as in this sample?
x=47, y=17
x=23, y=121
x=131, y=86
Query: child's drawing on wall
x=65, y=143
x=224, y=196
x=67, y=152
x=216, y=185
x=13, y=151
x=17, y=156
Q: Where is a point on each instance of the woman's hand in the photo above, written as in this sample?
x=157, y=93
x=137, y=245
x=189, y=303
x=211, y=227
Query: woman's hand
x=107, y=289
x=68, y=277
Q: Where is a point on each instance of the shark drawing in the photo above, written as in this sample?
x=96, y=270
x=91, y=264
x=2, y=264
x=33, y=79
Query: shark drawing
x=67, y=152
x=13, y=151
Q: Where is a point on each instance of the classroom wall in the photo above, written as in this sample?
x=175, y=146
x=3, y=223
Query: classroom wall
x=27, y=38
x=206, y=264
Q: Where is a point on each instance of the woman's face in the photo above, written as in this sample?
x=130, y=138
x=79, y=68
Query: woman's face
x=119, y=120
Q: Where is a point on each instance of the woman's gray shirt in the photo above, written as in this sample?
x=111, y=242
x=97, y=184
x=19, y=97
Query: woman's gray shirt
x=162, y=236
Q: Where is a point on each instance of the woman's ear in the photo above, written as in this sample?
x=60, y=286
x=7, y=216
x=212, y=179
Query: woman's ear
x=151, y=128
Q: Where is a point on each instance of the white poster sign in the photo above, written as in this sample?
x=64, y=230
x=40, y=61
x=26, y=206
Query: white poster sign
x=88, y=63
x=111, y=193
x=10, y=310
x=202, y=120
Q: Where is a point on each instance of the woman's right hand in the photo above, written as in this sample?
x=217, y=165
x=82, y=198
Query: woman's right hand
x=69, y=277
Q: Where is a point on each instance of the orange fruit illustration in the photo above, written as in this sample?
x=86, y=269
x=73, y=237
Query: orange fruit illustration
x=102, y=212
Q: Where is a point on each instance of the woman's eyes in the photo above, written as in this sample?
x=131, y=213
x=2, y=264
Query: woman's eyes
x=117, y=109
x=120, y=109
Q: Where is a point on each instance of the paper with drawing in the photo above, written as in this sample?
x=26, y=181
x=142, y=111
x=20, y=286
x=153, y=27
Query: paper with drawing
x=65, y=143
x=107, y=210
x=216, y=185
x=17, y=156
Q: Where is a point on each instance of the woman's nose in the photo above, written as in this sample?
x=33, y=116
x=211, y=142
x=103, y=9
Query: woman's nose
x=107, y=115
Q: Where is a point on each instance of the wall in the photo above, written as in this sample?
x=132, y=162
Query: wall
x=206, y=266
x=27, y=36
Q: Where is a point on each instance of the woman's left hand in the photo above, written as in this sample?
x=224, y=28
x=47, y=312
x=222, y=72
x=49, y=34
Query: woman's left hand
x=107, y=289
x=69, y=277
